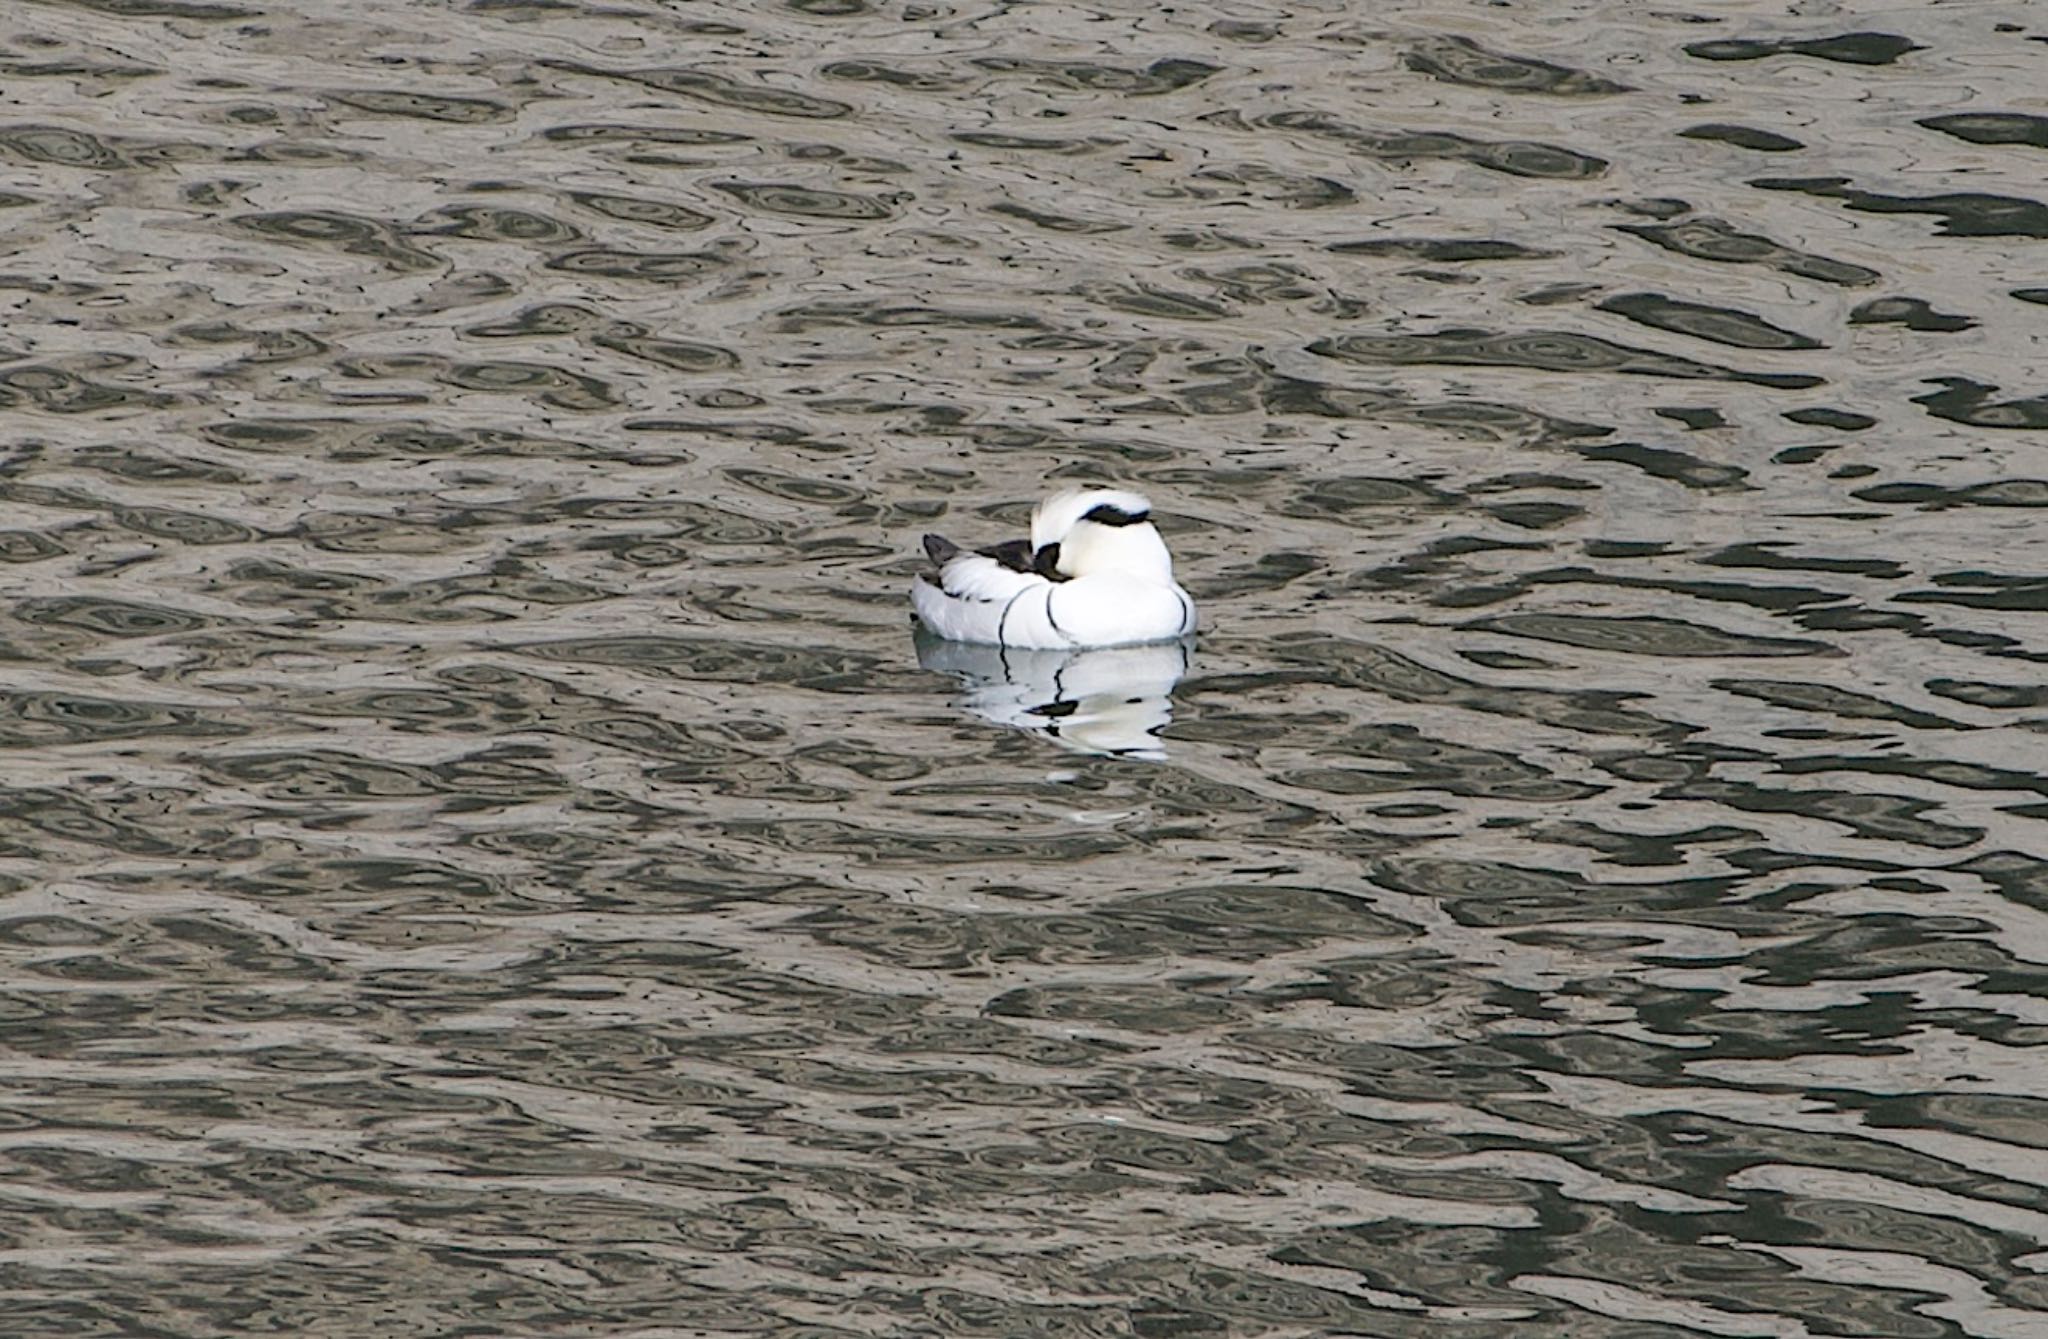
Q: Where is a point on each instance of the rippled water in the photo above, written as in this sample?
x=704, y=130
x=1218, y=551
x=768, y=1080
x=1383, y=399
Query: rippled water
x=483, y=853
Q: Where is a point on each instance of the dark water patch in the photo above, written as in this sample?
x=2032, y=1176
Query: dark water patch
x=202, y=10
x=420, y=106
x=481, y=780
x=1720, y=325
x=182, y=527
x=1520, y=158
x=704, y=86
x=62, y=68
x=495, y=223
x=677, y=355
x=1054, y=222
x=1845, y=420
x=1992, y=592
x=811, y=202
x=119, y=822
x=1640, y=848
x=613, y=133
x=1961, y=400
x=1992, y=127
x=795, y=488
x=869, y=845
x=549, y=318
x=1797, y=696
x=1858, y=618
x=1440, y=249
x=38, y=495
x=1506, y=660
x=1963, y=775
x=293, y=154
x=875, y=72
x=2019, y=877
x=1534, y=515
x=1694, y=419
x=779, y=434
x=1161, y=76
x=1548, y=350
x=1775, y=598
x=1660, y=462
x=549, y=385
x=1963, y=213
x=1291, y=190
x=1994, y=695
x=413, y=710
x=1715, y=240
x=1742, y=137
x=893, y=314
x=350, y=439
x=54, y=390
x=1768, y=555
x=1258, y=283
x=686, y=527
x=1875, y=817
x=1857, y=48
x=446, y=600
x=1479, y=420
x=263, y=584
x=1626, y=548
x=1053, y=144
x=1146, y=300
x=664, y=214
x=1352, y=664
x=28, y=546
x=1419, y=762
x=830, y=9
x=1647, y=635
x=1497, y=894
x=1998, y=493
x=1911, y=313
x=1224, y=922
x=59, y=146
x=106, y=617
x=1268, y=572
x=31, y=719
x=369, y=532
x=718, y=660
x=333, y=230
x=659, y=267
x=1459, y=60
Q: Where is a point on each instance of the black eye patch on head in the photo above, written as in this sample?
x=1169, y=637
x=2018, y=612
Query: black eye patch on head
x=1109, y=514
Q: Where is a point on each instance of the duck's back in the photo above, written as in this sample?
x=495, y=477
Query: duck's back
x=1029, y=611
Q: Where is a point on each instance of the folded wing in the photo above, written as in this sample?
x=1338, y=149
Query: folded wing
x=988, y=576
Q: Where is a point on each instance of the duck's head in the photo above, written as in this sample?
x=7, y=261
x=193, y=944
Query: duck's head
x=1098, y=530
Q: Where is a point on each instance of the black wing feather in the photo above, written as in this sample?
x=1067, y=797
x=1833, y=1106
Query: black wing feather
x=1014, y=554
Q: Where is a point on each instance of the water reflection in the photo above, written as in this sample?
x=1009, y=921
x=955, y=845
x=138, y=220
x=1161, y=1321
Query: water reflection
x=1111, y=702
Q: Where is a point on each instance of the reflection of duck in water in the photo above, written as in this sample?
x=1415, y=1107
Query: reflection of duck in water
x=1094, y=573
x=1112, y=702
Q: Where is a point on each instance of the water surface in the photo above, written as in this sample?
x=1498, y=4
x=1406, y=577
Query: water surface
x=480, y=852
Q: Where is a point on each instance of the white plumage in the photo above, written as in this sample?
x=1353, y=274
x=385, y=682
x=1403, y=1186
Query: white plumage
x=1094, y=573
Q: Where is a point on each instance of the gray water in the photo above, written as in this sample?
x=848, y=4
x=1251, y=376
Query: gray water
x=481, y=851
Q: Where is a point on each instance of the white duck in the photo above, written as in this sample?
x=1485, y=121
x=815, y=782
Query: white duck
x=1094, y=573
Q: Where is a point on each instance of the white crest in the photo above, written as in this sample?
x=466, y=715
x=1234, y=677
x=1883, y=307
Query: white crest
x=1053, y=518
